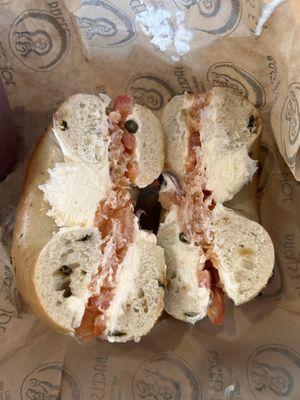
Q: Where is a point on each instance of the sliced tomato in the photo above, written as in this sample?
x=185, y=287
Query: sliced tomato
x=86, y=328
x=129, y=141
x=123, y=104
x=194, y=139
x=216, y=310
x=99, y=326
x=204, y=279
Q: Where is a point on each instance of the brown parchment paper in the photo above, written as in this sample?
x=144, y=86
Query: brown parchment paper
x=153, y=49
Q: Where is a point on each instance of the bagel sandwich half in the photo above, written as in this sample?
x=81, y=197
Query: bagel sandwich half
x=82, y=263
x=210, y=249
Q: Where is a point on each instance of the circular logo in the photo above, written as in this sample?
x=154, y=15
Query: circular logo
x=182, y=4
x=273, y=372
x=237, y=79
x=38, y=40
x=47, y=381
x=166, y=377
x=215, y=16
x=105, y=25
x=150, y=90
x=290, y=125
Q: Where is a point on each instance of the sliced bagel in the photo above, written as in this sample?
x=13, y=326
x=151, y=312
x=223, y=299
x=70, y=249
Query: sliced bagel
x=150, y=145
x=76, y=240
x=244, y=253
x=80, y=126
x=63, y=271
x=185, y=299
x=230, y=124
x=209, y=140
x=86, y=138
x=139, y=295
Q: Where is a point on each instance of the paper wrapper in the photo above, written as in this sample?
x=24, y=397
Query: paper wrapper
x=153, y=49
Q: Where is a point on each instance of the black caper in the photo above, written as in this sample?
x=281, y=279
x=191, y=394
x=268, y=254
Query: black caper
x=84, y=238
x=116, y=333
x=190, y=314
x=251, y=122
x=65, y=269
x=183, y=238
x=67, y=292
x=131, y=126
x=63, y=125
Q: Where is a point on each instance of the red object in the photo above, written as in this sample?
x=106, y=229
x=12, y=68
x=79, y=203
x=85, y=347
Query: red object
x=8, y=136
x=123, y=104
x=129, y=141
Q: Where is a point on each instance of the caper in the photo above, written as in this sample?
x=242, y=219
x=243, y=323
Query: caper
x=84, y=238
x=131, y=126
x=63, y=125
x=191, y=314
x=65, y=269
x=160, y=284
x=183, y=238
x=251, y=122
x=116, y=333
x=67, y=292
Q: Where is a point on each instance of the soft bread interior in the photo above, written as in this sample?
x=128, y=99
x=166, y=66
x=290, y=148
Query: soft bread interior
x=245, y=201
x=245, y=254
x=176, y=133
x=81, y=126
x=63, y=271
x=139, y=294
x=184, y=299
x=150, y=145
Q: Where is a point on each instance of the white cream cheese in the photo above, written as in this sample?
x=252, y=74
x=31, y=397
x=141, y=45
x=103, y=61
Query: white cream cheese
x=74, y=191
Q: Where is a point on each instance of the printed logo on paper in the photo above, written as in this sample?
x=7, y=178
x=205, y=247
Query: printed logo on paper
x=48, y=380
x=217, y=17
x=290, y=125
x=273, y=372
x=237, y=79
x=39, y=40
x=6, y=71
x=150, y=90
x=182, y=4
x=105, y=25
x=8, y=290
x=166, y=377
